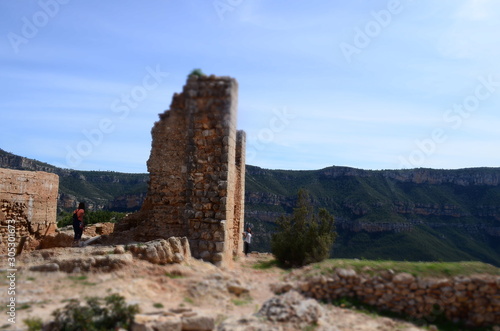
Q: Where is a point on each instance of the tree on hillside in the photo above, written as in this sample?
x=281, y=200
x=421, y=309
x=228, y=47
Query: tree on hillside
x=304, y=237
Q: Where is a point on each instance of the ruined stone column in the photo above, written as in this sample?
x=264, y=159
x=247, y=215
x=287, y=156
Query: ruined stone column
x=239, y=200
x=197, y=171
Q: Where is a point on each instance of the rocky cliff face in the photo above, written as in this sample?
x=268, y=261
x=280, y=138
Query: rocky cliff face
x=462, y=177
x=417, y=192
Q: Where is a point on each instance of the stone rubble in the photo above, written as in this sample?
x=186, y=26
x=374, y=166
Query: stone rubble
x=58, y=239
x=161, y=251
x=103, y=263
x=291, y=307
x=174, y=320
x=289, y=311
x=109, y=258
x=217, y=286
x=247, y=323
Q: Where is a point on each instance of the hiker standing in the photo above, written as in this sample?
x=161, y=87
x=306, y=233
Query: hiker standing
x=247, y=236
x=78, y=223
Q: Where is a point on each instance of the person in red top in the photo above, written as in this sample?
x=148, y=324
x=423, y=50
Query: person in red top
x=78, y=223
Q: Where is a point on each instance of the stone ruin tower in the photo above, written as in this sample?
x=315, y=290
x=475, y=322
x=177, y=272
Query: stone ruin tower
x=197, y=171
x=28, y=204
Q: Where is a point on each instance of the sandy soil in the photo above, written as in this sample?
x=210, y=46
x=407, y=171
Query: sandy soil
x=197, y=285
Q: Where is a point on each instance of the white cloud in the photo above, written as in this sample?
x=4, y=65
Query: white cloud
x=470, y=31
x=478, y=10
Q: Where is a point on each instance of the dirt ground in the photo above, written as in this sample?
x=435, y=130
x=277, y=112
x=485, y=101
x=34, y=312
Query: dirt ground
x=197, y=285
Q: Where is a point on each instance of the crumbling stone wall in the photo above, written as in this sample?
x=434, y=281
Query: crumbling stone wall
x=30, y=199
x=472, y=300
x=197, y=171
x=239, y=195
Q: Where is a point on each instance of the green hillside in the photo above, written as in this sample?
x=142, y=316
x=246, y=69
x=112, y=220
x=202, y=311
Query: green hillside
x=417, y=215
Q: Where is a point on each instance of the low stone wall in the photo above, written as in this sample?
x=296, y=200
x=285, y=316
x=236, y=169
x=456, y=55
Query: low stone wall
x=473, y=300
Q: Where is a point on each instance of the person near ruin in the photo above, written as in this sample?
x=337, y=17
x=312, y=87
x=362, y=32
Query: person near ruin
x=78, y=223
x=247, y=237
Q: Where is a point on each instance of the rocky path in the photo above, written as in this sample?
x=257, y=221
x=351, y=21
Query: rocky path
x=224, y=293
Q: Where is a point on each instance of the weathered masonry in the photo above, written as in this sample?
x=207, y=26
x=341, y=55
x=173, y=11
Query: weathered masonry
x=28, y=200
x=197, y=171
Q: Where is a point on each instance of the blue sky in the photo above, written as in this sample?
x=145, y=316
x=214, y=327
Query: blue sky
x=366, y=84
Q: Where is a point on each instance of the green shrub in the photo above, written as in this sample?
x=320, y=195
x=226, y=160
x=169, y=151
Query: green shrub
x=197, y=72
x=33, y=323
x=305, y=236
x=98, y=314
x=91, y=217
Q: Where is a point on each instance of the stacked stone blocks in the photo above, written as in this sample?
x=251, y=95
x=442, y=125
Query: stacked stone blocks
x=197, y=171
x=29, y=198
x=472, y=300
